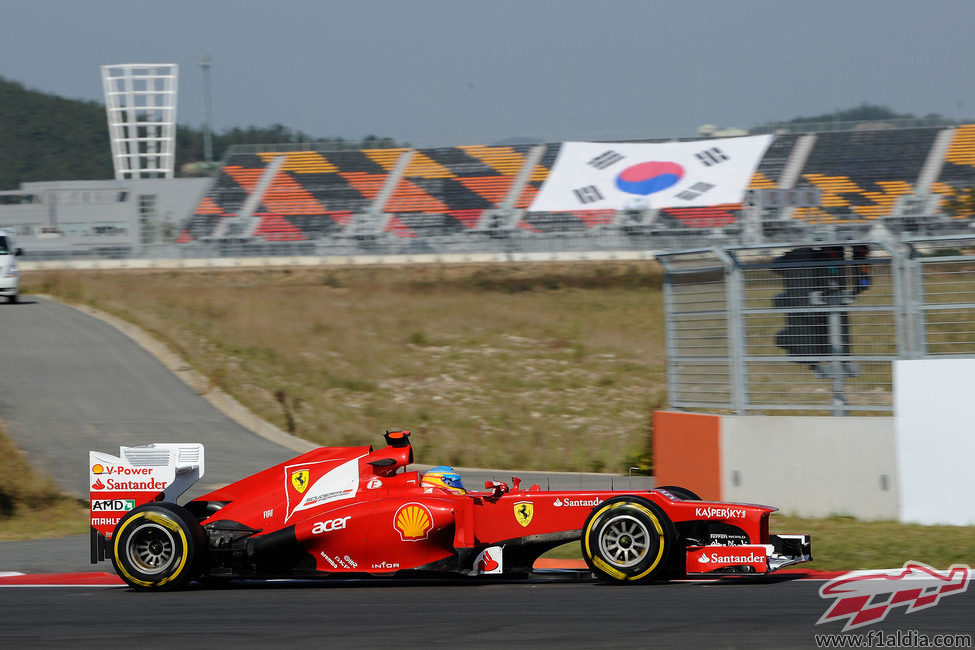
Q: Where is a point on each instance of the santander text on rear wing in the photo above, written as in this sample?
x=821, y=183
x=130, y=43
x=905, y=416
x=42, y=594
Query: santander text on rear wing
x=153, y=472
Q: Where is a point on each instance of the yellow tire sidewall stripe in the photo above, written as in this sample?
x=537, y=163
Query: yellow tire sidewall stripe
x=604, y=566
x=161, y=520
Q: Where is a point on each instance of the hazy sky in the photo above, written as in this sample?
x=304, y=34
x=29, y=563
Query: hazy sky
x=448, y=72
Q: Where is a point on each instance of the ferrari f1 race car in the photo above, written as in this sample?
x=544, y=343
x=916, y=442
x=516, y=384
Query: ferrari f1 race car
x=355, y=510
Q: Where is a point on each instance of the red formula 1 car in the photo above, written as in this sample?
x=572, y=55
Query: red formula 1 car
x=355, y=510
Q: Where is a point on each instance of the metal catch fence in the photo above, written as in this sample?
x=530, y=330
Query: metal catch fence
x=812, y=327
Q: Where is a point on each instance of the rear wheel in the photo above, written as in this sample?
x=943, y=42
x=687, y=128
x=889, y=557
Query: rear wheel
x=158, y=546
x=628, y=540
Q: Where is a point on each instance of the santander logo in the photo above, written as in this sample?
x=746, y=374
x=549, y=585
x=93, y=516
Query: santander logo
x=718, y=558
x=487, y=563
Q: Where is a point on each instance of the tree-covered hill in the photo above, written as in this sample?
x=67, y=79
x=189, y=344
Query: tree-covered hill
x=44, y=137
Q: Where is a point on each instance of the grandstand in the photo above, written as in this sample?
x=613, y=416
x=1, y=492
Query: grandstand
x=297, y=198
x=442, y=194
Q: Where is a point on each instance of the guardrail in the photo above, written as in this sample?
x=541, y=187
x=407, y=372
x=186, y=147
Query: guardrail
x=335, y=260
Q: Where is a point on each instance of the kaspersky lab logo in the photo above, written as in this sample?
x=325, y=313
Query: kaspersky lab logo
x=866, y=597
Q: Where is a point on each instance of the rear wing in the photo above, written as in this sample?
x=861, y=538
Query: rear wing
x=138, y=475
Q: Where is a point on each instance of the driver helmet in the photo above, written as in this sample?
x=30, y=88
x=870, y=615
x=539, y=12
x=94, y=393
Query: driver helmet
x=443, y=477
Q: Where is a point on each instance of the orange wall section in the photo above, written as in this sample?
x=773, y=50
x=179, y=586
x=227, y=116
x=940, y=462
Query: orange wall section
x=687, y=452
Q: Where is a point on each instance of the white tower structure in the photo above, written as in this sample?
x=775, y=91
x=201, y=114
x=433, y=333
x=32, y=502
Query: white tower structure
x=140, y=100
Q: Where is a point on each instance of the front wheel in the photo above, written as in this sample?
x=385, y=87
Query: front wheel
x=158, y=546
x=628, y=540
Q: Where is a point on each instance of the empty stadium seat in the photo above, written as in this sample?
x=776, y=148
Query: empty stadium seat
x=444, y=191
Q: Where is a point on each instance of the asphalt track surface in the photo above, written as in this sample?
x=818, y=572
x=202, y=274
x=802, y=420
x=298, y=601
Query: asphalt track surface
x=444, y=614
x=70, y=383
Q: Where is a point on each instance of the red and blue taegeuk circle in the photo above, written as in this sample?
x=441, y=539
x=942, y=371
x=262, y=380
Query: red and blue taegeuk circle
x=649, y=177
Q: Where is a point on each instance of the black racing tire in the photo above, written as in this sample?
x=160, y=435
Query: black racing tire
x=628, y=540
x=12, y=299
x=679, y=491
x=158, y=547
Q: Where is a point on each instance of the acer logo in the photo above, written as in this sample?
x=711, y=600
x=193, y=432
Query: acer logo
x=712, y=512
x=866, y=597
x=330, y=525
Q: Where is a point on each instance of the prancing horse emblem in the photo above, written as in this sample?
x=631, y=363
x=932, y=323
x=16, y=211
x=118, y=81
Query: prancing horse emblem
x=299, y=479
x=524, y=511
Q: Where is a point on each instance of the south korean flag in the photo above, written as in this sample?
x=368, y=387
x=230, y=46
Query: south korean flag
x=625, y=175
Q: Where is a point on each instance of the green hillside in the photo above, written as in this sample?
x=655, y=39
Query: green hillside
x=44, y=137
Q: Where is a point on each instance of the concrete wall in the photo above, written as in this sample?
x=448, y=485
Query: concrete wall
x=914, y=467
x=811, y=466
x=336, y=260
x=82, y=211
x=806, y=466
x=687, y=452
x=935, y=440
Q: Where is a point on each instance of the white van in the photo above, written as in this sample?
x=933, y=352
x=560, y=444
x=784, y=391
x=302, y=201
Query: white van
x=9, y=273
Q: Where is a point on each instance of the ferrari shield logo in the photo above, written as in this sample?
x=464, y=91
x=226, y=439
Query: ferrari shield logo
x=299, y=479
x=524, y=511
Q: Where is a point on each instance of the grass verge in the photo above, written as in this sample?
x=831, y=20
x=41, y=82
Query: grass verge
x=529, y=366
x=31, y=507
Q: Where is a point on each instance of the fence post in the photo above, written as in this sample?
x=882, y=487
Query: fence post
x=670, y=348
x=907, y=285
x=734, y=297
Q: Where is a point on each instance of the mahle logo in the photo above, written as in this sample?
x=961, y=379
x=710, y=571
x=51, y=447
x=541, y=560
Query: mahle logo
x=866, y=597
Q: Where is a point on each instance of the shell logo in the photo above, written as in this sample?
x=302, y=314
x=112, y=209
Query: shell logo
x=97, y=469
x=413, y=522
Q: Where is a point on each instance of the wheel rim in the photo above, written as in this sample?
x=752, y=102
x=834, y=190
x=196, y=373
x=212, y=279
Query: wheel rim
x=151, y=549
x=624, y=541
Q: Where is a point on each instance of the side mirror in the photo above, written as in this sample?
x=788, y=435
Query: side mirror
x=497, y=489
